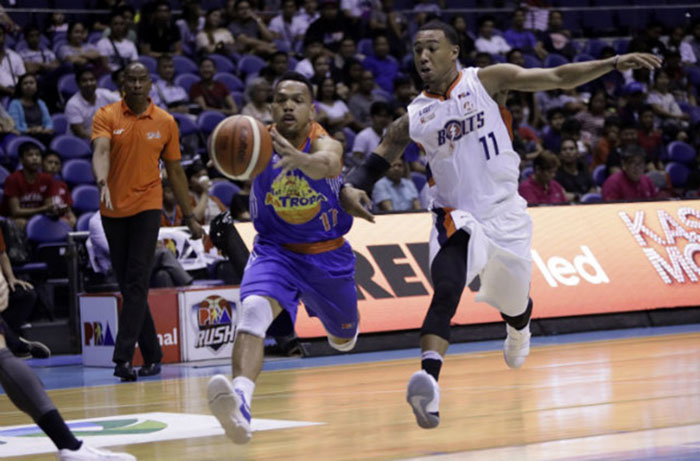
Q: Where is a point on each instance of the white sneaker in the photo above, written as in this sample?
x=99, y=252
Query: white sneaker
x=86, y=453
x=423, y=394
x=517, y=346
x=230, y=408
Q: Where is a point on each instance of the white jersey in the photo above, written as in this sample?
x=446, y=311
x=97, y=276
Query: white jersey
x=469, y=149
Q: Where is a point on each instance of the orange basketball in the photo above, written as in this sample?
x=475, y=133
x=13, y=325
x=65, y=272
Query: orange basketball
x=240, y=147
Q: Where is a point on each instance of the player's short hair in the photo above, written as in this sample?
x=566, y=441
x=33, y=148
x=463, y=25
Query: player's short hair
x=546, y=161
x=296, y=77
x=448, y=30
x=26, y=147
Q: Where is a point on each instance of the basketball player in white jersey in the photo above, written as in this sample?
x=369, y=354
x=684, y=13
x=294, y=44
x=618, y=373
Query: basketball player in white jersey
x=481, y=225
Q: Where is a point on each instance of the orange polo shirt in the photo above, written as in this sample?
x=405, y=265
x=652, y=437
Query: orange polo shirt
x=136, y=145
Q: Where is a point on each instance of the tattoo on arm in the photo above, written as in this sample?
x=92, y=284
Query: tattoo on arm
x=395, y=140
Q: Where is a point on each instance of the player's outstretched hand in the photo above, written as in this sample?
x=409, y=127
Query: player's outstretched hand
x=637, y=61
x=291, y=157
x=196, y=231
x=356, y=203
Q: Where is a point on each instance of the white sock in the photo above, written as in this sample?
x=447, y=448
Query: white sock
x=430, y=355
x=245, y=385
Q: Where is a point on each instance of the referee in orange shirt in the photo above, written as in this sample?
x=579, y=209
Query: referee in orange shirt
x=129, y=138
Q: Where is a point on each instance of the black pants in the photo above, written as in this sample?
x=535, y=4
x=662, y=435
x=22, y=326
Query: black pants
x=20, y=308
x=132, y=243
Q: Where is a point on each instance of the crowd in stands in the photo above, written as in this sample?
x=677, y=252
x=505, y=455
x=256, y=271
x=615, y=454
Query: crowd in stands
x=623, y=137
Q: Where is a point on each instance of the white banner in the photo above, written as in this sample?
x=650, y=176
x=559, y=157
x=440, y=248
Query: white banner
x=98, y=319
x=208, y=323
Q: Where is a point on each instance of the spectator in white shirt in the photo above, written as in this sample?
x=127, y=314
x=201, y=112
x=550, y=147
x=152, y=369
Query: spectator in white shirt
x=118, y=49
x=11, y=67
x=395, y=192
x=368, y=139
x=37, y=59
x=213, y=38
x=288, y=26
x=172, y=97
x=487, y=42
x=82, y=106
x=259, y=93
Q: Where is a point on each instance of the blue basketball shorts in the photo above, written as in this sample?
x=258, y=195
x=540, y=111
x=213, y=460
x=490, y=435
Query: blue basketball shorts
x=324, y=282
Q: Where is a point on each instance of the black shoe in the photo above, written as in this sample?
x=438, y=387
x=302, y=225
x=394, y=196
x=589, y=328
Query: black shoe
x=125, y=371
x=150, y=369
x=36, y=349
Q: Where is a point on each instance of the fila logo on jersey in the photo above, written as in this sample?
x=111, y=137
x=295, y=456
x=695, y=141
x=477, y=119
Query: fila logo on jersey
x=455, y=129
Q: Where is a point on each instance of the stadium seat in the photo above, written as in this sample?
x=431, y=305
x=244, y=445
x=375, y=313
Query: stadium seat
x=83, y=223
x=69, y=146
x=86, y=197
x=582, y=57
x=67, y=86
x=350, y=137
x=693, y=74
x=419, y=180
x=250, y=65
x=600, y=174
x=621, y=45
x=364, y=46
x=184, y=65
x=222, y=63
x=554, y=60
x=106, y=82
x=238, y=99
x=3, y=175
x=526, y=173
x=150, y=63
x=42, y=229
x=95, y=37
x=232, y=82
x=78, y=171
x=207, y=121
x=60, y=123
x=531, y=61
x=591, y=197
x=186, y=80
x=185, y=123
x=12, y=146
x=680, y=152
x=224, y=191
x=594, y=47
x=677, y=173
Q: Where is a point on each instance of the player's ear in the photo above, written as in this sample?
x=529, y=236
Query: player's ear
x=455, y=51
x=312, y=112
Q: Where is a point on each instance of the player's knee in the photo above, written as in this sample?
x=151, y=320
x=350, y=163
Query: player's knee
x=343, y=344
x=447, y=294
x=255, y=316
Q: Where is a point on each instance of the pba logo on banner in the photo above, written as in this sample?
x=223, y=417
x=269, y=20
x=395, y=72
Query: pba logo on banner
x=215, y=319
x=97, y=334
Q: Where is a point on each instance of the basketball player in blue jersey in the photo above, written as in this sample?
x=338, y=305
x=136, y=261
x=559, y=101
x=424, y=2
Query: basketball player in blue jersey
x=299, y=252
x=481, y=225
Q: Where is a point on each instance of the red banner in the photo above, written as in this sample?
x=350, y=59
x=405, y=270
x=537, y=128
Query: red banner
x=586, y=260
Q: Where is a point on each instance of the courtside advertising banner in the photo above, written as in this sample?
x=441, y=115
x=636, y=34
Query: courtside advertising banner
x=587, y=259
x=208, y=323
x=98, y=321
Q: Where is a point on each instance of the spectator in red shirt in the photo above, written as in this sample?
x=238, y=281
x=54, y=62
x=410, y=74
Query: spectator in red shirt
x=649, y=138
x=28, y=191
x=540, y=187
x=630, y=183
x=209, y=94
x=51, y=164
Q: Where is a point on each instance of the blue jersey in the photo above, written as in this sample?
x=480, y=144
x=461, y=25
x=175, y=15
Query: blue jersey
x=295, y=208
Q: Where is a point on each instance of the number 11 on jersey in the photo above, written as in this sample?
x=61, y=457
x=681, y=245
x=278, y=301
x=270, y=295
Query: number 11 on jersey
x=329, y=223
x=485, y=145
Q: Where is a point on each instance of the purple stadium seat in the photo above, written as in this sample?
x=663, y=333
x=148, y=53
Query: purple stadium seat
x=526, y=173
x=224, y=191
x=591, y=197
x=67, y=86
x=678, y=173
x=185, y=123
x=150, y=63
x=680, y=152
x=12, y=146
x=232, y=82
x=183, y=65
x=42, y=229
x=78, y=171
x=250, y=65
x=222, y=63
x=554, y=60
x=531, y=61
x=86, y=197
x=60, y=123
x=600, y=174
x=186, y=80
x=419, y=180
x=83, y=222
x=69, y=146
x=207, y=121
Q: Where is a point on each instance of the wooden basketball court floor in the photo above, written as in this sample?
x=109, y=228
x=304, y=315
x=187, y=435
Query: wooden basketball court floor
x=626, y=394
